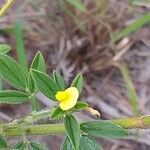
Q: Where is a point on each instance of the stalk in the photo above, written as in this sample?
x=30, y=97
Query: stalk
x=141, y=122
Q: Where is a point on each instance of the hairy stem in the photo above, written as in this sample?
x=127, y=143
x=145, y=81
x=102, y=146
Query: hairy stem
x=141, y=122
x=45, y=129
x=29, y=119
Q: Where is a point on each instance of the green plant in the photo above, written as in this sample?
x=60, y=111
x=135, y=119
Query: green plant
x=132, y=96
x=145, y=19
x=20, y=50
x=3, y=49
x=28, y=84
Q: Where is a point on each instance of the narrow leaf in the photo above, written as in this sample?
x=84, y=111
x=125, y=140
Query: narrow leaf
x=12, y=72
x=145, y=19
x=72, y=129
x=1, y=84
x=77, y=4
x=4, y=48
x=66, y=145
x=45, y=84
x=13, y=97
x=20, y=45
x=19, y=146
x=37, y=146
x=133, y=98
x=59, y=80
x=88, y=144
x=3, y=143
x=102, y=128
x=38, y=62
x=78, y=82
x=80, y=106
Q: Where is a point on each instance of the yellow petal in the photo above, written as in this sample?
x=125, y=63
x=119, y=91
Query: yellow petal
x=71, y=100
x=61, y=95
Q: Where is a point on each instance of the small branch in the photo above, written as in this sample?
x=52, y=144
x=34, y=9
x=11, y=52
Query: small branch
x=141, y=122
x=6, y=6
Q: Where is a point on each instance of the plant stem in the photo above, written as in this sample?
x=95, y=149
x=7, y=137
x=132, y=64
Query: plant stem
x=6, y=6
x=45, y=129
x=141, y=122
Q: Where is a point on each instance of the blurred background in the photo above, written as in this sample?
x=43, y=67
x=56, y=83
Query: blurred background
x=108, y=41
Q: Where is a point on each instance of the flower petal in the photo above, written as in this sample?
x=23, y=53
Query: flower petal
x=71, y=100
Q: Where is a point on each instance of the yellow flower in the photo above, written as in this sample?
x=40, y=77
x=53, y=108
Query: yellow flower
x=67, y=98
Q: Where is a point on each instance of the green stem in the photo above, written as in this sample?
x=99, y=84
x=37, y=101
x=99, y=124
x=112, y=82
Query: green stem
x=141, y=122
x=45, y=129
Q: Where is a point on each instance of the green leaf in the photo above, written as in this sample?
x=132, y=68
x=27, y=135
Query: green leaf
x=88, y=144
x=12, y=72
x=59, y=80
x=4, y=48
x=38, y=62
x=72, y=129
x=31, y=84
x=57, y=112
x=145, y=19
x=18, y=34
x=19, y=146
x=66, y=145
x=78, y=82
x=13, y=97
x=80, y=106
x=3, y=143
x=103, y=128
x=1, y=84
x=46, y=85
x=37, y=146
x=77, y=4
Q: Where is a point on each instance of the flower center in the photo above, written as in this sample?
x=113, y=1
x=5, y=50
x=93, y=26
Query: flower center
x=61, y=95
